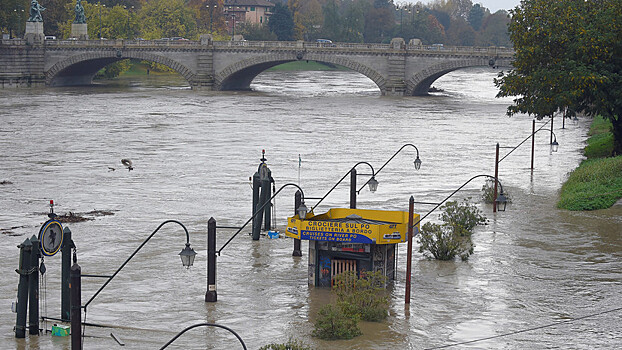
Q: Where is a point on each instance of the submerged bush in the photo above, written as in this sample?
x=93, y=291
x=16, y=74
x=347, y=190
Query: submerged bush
x=334, y=322
x=365, y=296
x=453, y=237
x=488, y=192
x=290, y=345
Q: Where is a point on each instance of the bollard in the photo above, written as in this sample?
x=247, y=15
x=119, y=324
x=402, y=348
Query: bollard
x=65, y=301
x=297, y=201
x=265, y=187
x=33, y=287
x=409, y=251
x=353, y=189
x=211, y=295
x=256, y=187
x=75, y=287
x=22, y=289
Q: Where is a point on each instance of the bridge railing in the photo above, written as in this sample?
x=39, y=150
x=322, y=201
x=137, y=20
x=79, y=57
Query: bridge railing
x=123, y=43
x=14, y=41
x=120, y=43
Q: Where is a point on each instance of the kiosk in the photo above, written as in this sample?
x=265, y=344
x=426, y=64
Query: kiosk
x=343, y=240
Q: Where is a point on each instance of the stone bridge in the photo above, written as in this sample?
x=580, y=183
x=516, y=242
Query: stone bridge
x=397, y=69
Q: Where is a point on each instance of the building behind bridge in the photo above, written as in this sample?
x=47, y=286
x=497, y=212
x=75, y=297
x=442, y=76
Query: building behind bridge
x=247, y=11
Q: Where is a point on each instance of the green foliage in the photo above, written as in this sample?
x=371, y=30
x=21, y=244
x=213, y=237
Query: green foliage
x=166, y=19
x=600, y=143
x=255, y=32
x=281, y=23
x=595, y=184
x=453, y=237
x=333, y=322
x=113, y=70
x=488, y=192
x=365, y=296
x=568, y=56
x=599, y=146
x=290, y=345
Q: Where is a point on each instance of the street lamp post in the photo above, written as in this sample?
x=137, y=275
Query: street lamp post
x=128, y=20
x=211, y=16
x=554, y=143
x=417, y=161
x=211, y=294
x=554, y=147
x=501, y=200
x=201, y=325
x=187, y=256
x=99, y=5
x=373, y=184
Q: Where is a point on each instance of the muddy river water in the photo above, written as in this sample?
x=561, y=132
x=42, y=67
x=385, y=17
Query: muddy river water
x=534, y=265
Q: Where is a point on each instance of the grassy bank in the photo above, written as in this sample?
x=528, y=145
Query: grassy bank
x=597, y=182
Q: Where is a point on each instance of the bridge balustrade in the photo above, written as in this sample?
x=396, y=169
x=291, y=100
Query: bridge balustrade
x=492, y=50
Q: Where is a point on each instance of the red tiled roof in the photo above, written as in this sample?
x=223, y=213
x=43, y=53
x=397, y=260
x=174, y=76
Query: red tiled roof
x=263, y=3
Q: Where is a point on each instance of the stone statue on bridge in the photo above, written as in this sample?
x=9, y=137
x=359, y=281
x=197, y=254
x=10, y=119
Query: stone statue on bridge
x=80, y=17
x=35, y=12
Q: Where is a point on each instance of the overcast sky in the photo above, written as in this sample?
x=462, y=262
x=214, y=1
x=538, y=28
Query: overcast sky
x=492, y=5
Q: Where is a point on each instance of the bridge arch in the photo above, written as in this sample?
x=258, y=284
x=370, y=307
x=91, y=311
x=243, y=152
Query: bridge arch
x=239, y=75
x=81, y=68
x=419, y=83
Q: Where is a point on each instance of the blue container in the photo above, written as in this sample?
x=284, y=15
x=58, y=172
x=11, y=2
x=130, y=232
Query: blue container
x=273, y=234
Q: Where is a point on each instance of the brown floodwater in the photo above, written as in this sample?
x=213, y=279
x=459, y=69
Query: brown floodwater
x=534, y=265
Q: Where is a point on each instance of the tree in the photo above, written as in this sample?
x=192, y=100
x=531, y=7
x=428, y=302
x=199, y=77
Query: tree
x=255, y=32
x=167, y=18
x=55, y=14
x=476, y=16
x=460, y=33
x=453, y=237
x=281, y=23
x=13, y=16
x=568, y=57
x=494, y=31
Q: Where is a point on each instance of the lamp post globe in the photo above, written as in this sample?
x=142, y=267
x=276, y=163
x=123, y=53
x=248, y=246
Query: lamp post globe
x=554, y=146
x=187, y=256
x=417, y=163
x=302, y=211
x=501, y=201
x=373, y=184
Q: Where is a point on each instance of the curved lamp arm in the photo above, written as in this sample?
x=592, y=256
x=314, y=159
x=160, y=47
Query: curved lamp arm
x=200, y=325
x=554, y=145
x=501, y=195
x=373, y=175
x=302, y=196
x=417, y=162
x=136, y=251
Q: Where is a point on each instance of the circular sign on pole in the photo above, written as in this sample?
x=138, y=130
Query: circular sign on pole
x=51, y=237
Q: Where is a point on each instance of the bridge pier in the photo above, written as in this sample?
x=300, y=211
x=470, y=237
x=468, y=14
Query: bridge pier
x=22, y=64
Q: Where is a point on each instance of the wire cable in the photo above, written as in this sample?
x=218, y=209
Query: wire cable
x=526, y=330
x=528, y=137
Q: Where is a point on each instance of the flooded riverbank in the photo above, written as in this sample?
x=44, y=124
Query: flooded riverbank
x=193, y=153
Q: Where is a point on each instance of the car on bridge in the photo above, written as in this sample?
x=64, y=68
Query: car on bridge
x=324, y=43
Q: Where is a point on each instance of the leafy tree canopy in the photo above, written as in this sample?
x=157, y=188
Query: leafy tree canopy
x=568, y=59
x=281, y=23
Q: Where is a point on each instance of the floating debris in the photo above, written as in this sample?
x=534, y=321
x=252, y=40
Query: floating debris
x=127, y=163
x=10, y=232
x=5, y=182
